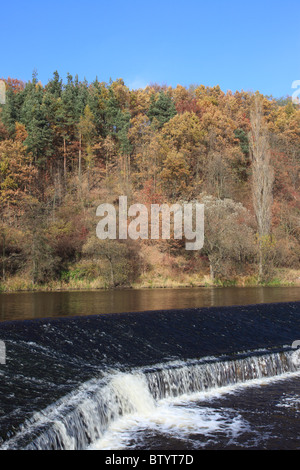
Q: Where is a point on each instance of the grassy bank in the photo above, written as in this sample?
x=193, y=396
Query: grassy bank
x=153, y=280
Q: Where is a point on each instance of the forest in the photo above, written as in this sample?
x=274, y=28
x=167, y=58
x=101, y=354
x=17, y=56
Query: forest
x=69, y=145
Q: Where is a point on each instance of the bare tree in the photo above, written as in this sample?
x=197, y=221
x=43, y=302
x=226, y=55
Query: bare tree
x=262, y=180
x=229, y=237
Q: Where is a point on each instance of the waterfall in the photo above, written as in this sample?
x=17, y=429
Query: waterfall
x=82, y=417
x=190, y=378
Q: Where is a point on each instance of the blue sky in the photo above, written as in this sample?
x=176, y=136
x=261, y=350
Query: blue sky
x=237, y=45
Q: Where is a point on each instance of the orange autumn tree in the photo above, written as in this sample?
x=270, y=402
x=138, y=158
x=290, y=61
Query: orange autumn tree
x=16, y=183
x=17, y=173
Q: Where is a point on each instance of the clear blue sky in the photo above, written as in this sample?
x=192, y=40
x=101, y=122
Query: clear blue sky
x=237, y=45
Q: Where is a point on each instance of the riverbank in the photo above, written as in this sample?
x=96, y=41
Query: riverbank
x=281, y=278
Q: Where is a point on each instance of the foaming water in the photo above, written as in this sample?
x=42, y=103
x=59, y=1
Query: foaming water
x=175, y=419
x=183, y=419
x=128, y=381
x=84, y=418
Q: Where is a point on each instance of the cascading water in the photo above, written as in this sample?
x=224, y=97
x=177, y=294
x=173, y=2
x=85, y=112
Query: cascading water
x=76, y=397
x=82, y=418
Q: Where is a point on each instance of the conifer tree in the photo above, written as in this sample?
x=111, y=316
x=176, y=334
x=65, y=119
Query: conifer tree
x=162, y=110
x=33, y=115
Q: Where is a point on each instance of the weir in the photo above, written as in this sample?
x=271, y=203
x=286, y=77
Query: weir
x=81, y=418
x=66, y=380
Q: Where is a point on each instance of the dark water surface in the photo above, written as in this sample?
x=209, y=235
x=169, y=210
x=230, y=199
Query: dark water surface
x=79, y=382
x=165, y=369
x=21, y=306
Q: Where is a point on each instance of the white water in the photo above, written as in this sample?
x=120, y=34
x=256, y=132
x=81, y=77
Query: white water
x=106, y=413
x=181, y=417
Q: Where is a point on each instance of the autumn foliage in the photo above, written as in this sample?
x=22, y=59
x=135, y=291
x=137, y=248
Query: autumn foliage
x=66, y=147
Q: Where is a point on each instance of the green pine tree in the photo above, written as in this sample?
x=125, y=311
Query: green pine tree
x=161, y=110
x=34, y=116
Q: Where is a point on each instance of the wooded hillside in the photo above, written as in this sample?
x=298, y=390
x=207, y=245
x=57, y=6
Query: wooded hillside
x=66, y=147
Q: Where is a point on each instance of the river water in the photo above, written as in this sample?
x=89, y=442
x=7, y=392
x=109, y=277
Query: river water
x=166, y=370
x=21, y=306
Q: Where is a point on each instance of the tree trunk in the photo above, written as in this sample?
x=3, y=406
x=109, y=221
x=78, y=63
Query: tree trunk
x=260, y=264
x=3, y=258
x=34, y=268
x=65, y=158
x=111, y=272
x=80, y=163
x=262, y=181
x=212, y=272
x=79, y=158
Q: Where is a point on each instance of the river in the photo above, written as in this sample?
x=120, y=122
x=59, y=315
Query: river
x=27, y=305
x=171, y=370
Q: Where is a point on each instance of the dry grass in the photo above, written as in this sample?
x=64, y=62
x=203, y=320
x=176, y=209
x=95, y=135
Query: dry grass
x=167, y=271
x=288, y=276
x=162, y=270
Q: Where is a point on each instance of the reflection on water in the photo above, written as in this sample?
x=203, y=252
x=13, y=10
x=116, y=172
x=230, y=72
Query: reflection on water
x=57, y=304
